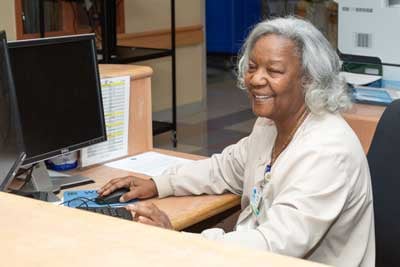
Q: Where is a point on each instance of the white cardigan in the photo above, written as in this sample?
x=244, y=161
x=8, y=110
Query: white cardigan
x=317, y=205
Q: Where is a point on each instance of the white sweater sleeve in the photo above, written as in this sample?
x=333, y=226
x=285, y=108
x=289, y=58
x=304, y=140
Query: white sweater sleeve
x=221, y=173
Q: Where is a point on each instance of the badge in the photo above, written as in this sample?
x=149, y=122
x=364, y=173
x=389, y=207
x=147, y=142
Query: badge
x=255, y=200
x=267, y=177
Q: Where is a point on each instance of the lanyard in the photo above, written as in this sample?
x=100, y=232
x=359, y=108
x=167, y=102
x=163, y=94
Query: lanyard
x=256, y=194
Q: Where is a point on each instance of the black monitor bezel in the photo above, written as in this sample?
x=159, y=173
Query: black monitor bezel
x=20, y=155
x=57, y=40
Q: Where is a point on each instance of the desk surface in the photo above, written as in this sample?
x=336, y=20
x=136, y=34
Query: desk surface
x=35, y=233
x=136, y=72
x=183, y=211
x=363, y=119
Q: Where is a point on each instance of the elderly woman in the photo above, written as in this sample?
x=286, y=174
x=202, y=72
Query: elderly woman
x=302, y=173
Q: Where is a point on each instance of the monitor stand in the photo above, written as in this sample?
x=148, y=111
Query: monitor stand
x=41, y=181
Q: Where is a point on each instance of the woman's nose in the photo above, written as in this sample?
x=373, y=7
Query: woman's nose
x=258, y=78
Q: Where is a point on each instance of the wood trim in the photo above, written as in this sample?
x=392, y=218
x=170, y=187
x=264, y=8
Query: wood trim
x=121, y=16
x=18, y=19
x=185, y=36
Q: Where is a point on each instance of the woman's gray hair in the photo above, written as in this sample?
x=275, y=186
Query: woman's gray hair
x=324, y=89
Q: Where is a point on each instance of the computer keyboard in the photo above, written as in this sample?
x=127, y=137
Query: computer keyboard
x=111, y=211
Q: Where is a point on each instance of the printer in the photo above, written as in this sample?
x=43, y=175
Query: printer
x=370, y=29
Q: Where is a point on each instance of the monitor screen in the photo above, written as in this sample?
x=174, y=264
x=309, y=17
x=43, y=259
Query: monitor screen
x=11, y=147
x=58, y=91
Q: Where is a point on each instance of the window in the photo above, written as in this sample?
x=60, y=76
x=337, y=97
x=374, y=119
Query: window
x=62, y=17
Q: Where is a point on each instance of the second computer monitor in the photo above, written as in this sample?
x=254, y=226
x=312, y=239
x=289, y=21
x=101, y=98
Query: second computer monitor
x=11, y=147
x=59, y=94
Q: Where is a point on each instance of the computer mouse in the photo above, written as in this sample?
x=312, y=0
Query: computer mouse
x=112, y=198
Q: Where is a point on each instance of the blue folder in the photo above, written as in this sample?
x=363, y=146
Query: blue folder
x=372, y=96
x=85, y=198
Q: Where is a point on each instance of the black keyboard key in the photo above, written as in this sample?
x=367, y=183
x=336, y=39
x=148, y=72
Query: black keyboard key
x=115, y=212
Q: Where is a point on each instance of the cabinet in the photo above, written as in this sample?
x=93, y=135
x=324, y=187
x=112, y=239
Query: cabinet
x=229, y=22
x=111, y=53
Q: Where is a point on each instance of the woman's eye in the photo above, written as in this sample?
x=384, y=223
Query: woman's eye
x=252, y=67
x=276, y=71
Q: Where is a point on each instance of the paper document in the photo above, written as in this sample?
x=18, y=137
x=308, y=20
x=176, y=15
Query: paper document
x=57, y=174
x=359, y=79
x=115, y=93
x=149, y=163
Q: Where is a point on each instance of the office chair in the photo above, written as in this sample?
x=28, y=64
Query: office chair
x=384, y=163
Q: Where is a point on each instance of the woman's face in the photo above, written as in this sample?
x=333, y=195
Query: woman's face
x=274, y=77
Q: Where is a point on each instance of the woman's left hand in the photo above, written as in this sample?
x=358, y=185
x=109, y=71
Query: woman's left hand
x=148, y=213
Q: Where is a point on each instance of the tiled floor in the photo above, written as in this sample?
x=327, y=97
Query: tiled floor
x=226, y=120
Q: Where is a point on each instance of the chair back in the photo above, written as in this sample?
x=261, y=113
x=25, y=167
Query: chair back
x=384, y=163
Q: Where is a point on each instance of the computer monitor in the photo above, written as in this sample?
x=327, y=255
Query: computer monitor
x=11, y=146
x=59, y=95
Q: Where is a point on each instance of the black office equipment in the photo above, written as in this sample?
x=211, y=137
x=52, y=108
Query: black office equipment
x=111, y=198
x=110, y=211
x=59, y=95
x=11, y=145
x=383, y=160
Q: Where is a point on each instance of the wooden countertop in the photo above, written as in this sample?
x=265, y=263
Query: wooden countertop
x=363, y=119
x=113, y=70
x=35, y=233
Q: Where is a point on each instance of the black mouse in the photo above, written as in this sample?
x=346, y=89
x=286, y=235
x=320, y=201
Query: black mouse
x=111, y=198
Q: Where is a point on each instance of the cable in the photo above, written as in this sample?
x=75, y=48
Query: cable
x=84, y=203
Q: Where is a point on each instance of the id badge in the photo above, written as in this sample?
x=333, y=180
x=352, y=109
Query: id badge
x=255, y=200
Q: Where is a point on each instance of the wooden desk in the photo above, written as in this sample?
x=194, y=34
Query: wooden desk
x=139, y=104
x=363, y=119
x=35, y=233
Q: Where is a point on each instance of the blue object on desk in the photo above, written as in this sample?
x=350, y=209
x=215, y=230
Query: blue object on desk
x=372, y=96
x=85, y=198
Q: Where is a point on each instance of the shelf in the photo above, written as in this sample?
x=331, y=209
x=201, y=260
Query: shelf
x=125, y=54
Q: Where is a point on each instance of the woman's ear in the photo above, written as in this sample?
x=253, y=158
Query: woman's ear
x=305, y=80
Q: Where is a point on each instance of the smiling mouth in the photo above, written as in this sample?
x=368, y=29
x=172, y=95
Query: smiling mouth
x=262, y=97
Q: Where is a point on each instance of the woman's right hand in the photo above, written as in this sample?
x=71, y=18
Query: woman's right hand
x=139, y=188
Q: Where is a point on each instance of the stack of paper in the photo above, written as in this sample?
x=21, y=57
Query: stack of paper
x=149, y=163
x=359, y=79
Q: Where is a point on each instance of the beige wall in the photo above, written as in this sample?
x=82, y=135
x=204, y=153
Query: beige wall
x=146, y=15
x=149, y=15
x=7, y=18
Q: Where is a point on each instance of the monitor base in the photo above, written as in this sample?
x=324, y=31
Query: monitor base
x=41, y=181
